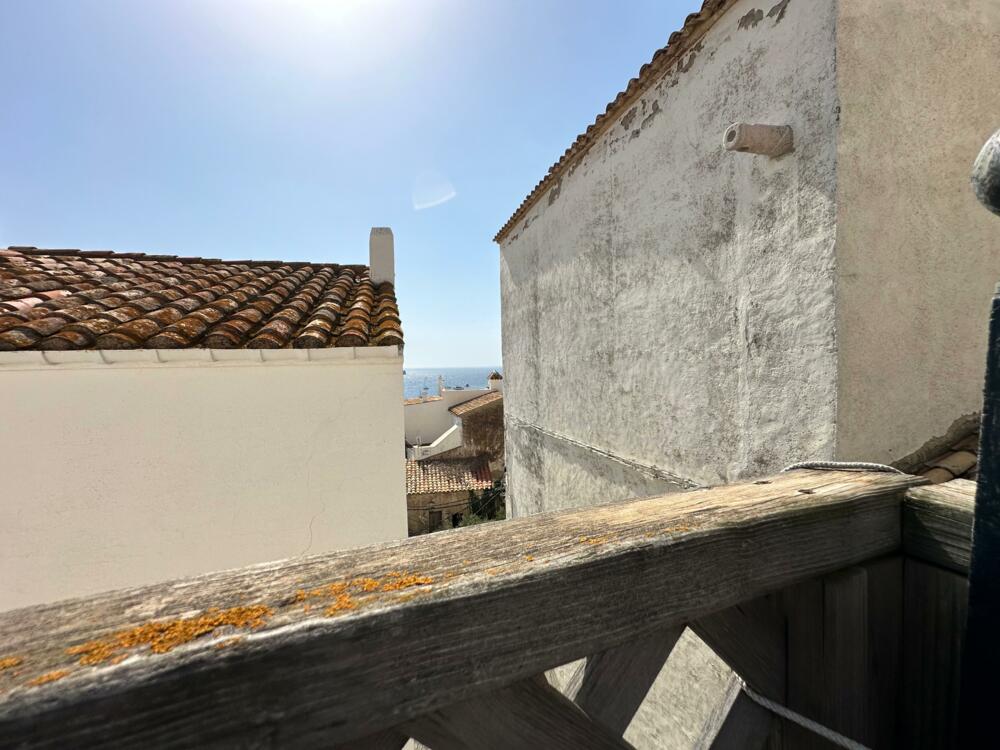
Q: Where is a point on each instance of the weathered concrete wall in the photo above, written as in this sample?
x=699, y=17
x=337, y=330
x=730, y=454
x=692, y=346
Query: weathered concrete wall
x=917, y=255
x=116, y=475
x=672, y=303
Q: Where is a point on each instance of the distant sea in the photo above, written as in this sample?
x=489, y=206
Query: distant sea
x=417, y=378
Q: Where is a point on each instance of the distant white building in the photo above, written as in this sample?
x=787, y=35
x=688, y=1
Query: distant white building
x=430, y=426
x=467, y=458
x=166, y=416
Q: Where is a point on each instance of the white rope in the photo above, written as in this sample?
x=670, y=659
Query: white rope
x=843, y=466
x=797, y=718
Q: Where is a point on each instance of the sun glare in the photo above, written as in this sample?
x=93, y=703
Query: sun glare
x=335, y=37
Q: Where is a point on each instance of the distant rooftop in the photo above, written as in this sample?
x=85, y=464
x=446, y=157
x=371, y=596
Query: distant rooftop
x=447, y=475
x=476, y=403
x=73, y=299
x=679, y=42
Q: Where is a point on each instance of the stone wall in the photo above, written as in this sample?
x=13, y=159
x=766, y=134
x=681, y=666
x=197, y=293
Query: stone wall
x=419, y=508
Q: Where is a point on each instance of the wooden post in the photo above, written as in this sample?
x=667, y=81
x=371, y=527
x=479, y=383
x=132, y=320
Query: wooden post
x=977, y=722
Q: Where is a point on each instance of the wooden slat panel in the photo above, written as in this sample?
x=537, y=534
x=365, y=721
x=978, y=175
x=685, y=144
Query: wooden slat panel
x=937, y=523
x=935, y=606
x=806, y=693
x=846, y=654
x=751, y=638
x=610, y=686
x=504, y=601
x=844, y=641
x=528, y=715
x=736, y=724
x=885, y=637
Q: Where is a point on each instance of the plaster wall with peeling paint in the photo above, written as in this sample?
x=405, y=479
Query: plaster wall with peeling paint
x=676, y=314
x=668, y=306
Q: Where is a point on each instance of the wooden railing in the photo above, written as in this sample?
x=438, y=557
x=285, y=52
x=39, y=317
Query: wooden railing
x=446, y=638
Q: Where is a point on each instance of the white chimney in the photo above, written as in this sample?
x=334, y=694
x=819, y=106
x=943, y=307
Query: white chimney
x=380, y=255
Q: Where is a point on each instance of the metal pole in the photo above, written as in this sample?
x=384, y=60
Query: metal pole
x=980, y=689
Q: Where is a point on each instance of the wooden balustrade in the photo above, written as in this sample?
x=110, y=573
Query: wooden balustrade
x=445, y=637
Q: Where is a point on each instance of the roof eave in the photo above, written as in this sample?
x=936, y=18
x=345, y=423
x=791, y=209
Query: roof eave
x=694, y=28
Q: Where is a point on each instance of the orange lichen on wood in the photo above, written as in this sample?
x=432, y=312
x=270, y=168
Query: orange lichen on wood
x=593, y=540
x=9, y=662
x=229, y=642
x=163, y=636
x=529, y=558
x=330, y=590
x=48, y=677
x=344, y=603
x=405, y=581
x=343, y=593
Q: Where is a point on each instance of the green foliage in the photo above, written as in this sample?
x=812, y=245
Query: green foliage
x=488, y=505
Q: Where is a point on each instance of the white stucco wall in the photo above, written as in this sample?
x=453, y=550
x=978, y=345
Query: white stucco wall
x=918, y=257
x=446, y=441
x=670, y=302
x=120, y=474
x=427, y=420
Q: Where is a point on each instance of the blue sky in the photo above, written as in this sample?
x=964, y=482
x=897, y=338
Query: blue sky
x=287, y=128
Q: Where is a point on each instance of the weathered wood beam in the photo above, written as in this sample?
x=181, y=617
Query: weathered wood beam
x=390, y=739
x=937, y=524
x=351, y=643
x=529, y=714
x=611, y=685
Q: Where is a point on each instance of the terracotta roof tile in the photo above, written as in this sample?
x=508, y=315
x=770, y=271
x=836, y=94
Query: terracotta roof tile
x=476, y=403
x=72, y=299
x=960, y=461
x=447, y=475
x=679, y=42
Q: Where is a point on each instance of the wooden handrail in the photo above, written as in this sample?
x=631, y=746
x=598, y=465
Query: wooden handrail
x=937, y=524
x=336, y=647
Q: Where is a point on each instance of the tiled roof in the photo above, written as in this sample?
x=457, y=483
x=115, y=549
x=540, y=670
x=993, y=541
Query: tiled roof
x=960, y=461
x=495, y=376
x=447, y=475
x=72, y=299
x=476, y=403
x=695, y=26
